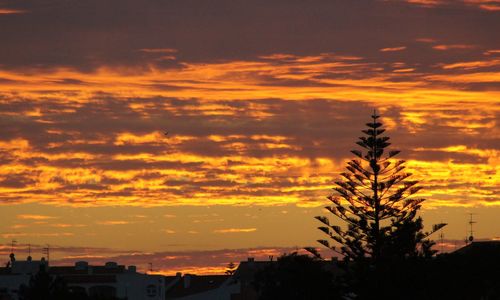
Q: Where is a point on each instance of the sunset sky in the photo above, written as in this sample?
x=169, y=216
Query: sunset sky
x=262, y=101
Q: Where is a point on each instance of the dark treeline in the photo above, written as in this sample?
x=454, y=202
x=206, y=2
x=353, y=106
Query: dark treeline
x=457, y=276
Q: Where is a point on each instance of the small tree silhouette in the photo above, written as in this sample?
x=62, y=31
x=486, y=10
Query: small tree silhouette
x=296, y=277
x=230, y=269
x=375, y=199
x=42, y=286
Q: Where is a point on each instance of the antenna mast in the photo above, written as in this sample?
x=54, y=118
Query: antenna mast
x=471, y=231
x=441, y=237
x=13, y=243
x=47, y=251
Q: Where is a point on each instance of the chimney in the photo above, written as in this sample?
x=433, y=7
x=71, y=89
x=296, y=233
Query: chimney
x=81, y=265
x=187, y=281
x=251, y=259
x=111, y=265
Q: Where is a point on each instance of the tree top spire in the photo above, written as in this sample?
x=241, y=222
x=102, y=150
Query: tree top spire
x=375, y=199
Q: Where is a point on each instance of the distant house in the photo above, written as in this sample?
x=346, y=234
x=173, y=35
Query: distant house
x=238, y=286
x=202, y=287
x=245, y=275
x=110, y=280
x=487, y=249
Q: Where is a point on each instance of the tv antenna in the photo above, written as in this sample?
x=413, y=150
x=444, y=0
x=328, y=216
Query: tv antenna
x=471, y=231
x=29, y=258
x=12, y=245
x=46, y=250
x=150, y=267
x=441, y=237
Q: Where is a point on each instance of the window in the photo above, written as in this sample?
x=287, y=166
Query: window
x=102, y=291
x=151, y=290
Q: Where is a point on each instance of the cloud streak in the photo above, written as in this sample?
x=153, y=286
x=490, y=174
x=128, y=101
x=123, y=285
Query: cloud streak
x=235, y=230
x=34, y=217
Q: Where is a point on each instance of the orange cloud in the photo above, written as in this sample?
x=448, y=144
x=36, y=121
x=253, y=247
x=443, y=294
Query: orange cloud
x=492, y=52
x=425, y=40
x=113, y=222
x=235, y=230
x=36, y=234
x=34, y=217
x=430, y=3
x=489, y=5
x=5, y=11
x=169, y=263
x=444, y=47
x=158, y=50
x=64, y=225
x=472, y=64
x=270, y=156
x=130, y=138
x=393, y=49
x=405, y=70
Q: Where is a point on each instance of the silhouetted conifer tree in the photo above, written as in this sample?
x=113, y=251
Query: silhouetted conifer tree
x=375, y=199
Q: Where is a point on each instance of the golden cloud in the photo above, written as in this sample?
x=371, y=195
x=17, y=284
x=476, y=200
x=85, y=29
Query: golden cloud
x=113, y=222
x=6, y=11
x=232, y=163
x=34, y=217
x=235, y=230
x=393, y=49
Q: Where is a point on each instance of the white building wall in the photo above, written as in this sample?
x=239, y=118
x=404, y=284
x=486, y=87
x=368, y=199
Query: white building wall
x=137, y=286
x=134, y=286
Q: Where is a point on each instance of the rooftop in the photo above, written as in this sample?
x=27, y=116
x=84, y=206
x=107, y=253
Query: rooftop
x=194, y=284
x=482, y=248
